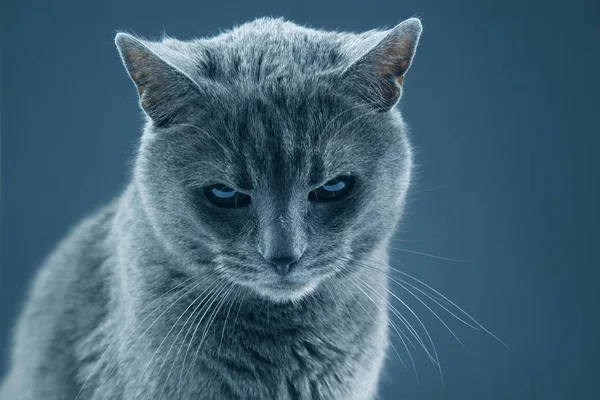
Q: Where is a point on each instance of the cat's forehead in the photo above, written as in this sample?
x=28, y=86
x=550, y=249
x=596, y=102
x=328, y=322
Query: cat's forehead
x=288, y=135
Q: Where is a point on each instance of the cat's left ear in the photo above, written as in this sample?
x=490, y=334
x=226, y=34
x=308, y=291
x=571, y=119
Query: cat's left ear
x=165, y=91
x=377, y=76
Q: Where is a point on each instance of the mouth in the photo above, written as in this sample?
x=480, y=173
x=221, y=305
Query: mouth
x=286, y=290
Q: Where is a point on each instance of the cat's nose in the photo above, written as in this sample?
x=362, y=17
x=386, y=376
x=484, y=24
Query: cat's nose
x=283, y=264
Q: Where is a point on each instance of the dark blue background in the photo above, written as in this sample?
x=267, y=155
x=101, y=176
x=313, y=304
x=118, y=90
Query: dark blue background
x=503, y=103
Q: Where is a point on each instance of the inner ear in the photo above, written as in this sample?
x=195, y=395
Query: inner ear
x=378, y=75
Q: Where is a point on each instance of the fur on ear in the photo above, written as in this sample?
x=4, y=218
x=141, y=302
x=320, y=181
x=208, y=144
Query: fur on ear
x=377, y=76
x=164, y=89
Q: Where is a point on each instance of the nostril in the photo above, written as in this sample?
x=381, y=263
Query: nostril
x=283, y=264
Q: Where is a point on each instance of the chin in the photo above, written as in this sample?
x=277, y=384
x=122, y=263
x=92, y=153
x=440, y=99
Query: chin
x=286, y=293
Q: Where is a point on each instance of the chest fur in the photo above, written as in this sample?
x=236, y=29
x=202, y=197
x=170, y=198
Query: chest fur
x=271, y=354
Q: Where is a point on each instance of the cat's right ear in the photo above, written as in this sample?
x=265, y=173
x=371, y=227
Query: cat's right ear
x=164, y=90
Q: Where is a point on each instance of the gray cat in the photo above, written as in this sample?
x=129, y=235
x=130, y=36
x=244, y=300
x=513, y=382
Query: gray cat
x=247, y=258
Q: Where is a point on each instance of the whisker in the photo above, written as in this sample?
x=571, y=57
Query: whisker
x=436, y=315
x=373, y=319
x=237, y=293
x=425, y=254
x=337, y=306
x=99, y=281
x=199, y=297
x=338, y=282
x=215, y=291
x=394, y=311
x=209, y=324
x=400, y=240
x=425, y=304
x=429, y=189
x=143, y=333
x=394, y=326
x=435, y=359
x=238, y=311
x=444, y=298
x=127, y=324
x=437, y=301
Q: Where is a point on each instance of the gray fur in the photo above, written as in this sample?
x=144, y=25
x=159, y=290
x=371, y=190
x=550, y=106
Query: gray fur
x=275, y=110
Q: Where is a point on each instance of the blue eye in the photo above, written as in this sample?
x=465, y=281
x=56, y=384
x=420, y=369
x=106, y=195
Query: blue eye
x=224, y=193
x=333, y=190
x=334, y=186
x=225, y=197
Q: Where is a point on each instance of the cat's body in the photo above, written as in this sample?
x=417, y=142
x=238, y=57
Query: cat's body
x=74, y=319
x=156, y=296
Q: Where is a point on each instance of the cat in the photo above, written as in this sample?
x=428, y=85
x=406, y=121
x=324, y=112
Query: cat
x=247, y=257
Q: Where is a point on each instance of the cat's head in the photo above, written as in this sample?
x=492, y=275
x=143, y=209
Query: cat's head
x=273, y=154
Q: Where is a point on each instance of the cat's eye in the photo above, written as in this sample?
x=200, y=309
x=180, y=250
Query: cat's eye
x=225, y=197
x=333, y=190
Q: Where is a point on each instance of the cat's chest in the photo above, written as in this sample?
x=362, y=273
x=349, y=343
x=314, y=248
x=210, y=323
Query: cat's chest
x=277, y=356
x=308, y=362
x=296, y=367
